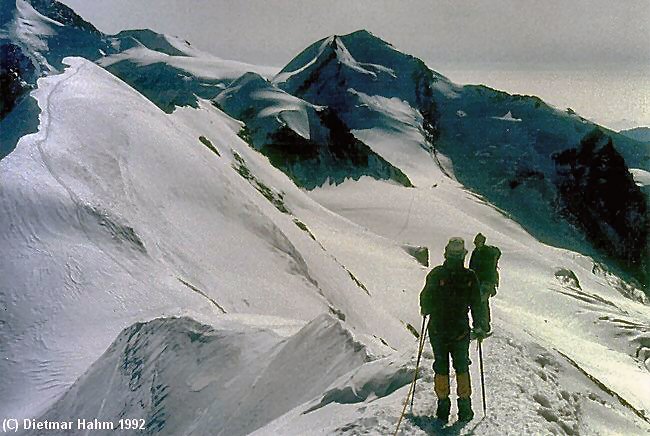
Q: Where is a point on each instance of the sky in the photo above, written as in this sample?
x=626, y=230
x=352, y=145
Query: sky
x=476, y=40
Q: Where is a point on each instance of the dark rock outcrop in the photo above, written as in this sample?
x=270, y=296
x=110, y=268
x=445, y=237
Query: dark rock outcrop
x=597, y=192
x=17, y=76
x=311, y=164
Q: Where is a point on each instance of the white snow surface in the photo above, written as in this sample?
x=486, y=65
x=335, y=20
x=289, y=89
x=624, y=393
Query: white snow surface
x=508, y=117
x=115, y=213
x=30, y=28
x=196, y=63
x=641, y=177
x=274, y=107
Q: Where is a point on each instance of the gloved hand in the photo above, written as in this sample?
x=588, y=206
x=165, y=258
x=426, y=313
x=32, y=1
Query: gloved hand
x=478, y=333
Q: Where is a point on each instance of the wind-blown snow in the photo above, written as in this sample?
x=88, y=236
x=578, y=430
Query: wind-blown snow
x=30, y=24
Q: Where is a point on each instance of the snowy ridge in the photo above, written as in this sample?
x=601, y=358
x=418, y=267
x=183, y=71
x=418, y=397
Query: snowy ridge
x=169, y=45
x=176, y=79
x=183, y=376
x=195, y=63
x=531, y=390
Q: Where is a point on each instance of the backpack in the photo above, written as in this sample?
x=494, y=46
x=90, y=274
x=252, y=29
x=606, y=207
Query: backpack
x=492, y=256
x=486, y=266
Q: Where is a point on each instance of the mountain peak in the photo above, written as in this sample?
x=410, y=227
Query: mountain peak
x=362, y=36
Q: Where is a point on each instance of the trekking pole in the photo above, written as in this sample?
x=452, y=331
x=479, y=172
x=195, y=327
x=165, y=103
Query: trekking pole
x=423, y=337
x=415, y=376
x=480, y=358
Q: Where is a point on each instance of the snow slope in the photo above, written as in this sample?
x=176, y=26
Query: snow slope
x=163, y=371
x=115, y=213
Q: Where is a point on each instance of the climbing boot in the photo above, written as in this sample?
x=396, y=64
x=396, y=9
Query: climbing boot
x=442, y=412
x=465, y=412
x=441, y=386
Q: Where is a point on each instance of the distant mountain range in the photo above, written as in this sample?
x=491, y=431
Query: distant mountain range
x=641, y=134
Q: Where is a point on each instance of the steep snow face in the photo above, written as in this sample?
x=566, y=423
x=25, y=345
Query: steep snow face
x=181, y=376
x=115, y=212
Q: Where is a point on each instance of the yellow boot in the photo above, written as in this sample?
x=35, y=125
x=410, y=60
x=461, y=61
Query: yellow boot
x=441, y=387
x=464, y=391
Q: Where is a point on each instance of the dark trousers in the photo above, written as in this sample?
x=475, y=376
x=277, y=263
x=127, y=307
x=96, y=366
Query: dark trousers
x=458, y=349
x=487, y=290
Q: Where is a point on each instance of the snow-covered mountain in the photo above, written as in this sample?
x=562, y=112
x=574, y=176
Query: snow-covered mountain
x=310, y=143
x=163, y=264
x=35, y=36
x=501, y=146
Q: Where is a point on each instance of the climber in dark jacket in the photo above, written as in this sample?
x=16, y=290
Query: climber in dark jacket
x=450, y=292
x=484, y=262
